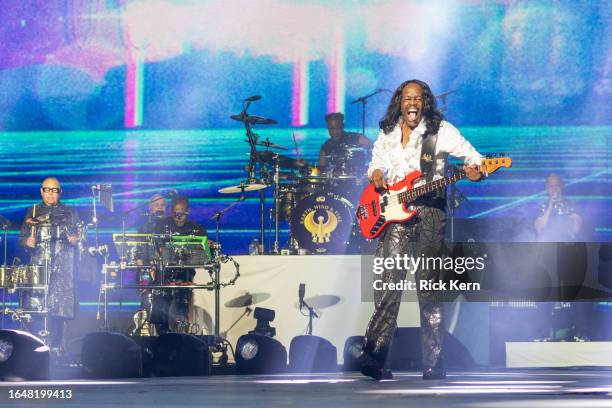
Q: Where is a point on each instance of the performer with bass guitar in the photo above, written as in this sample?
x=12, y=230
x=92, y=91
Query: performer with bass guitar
x=413, y=137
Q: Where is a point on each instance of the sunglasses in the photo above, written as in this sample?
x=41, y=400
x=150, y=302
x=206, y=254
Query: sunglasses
x=51, y=190
x=181, y=214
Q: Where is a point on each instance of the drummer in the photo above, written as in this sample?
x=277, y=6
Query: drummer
x=49, y=233
x=335, y=150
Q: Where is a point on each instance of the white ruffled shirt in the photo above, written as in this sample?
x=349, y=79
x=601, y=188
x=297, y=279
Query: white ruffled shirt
x=397, y=161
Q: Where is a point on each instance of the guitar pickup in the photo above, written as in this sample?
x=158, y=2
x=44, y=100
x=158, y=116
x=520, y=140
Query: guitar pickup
x=377, y=226
x=362, y=212
x=374, y=209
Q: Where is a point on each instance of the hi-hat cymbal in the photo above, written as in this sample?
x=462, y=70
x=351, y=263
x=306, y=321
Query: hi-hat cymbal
x=247, y=299
x=254, y=120
x=242, y=187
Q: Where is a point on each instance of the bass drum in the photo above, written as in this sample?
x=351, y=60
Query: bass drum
x=322, y=223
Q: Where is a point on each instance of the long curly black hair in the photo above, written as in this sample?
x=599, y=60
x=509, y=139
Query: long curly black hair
x=430, y=111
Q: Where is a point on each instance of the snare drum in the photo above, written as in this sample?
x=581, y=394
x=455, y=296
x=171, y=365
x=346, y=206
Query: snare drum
x=311, y=178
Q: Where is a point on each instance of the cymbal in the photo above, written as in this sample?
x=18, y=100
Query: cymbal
x=322, y=301
x=254, y=120
x=283, y=161
x=242, y=188
x=247, y=299
x=268, y=143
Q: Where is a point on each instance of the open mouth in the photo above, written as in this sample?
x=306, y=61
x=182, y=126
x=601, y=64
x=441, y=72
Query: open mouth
x=412, y=114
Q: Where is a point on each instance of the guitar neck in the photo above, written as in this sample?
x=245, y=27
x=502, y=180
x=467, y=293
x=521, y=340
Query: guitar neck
x=411, y=195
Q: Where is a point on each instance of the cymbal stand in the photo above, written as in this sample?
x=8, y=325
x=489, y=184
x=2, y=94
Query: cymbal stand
x=276, y=249
x=218, y=214
x=247, y=311
x=218, y=259
x=5, y=228
x=253, y=159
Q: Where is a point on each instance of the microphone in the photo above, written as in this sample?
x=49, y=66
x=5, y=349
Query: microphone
x=253, y=98
x=301, y=293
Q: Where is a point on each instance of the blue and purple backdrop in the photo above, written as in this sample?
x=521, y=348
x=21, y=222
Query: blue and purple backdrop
x=139, y=93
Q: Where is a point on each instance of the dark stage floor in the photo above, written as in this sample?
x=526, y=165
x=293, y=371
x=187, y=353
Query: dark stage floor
x=490, y=389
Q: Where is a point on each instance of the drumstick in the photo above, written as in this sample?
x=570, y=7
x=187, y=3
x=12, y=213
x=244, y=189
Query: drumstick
x=297, y=149
x=33, y=216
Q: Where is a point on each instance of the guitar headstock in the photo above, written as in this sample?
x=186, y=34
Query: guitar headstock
x=493, y=163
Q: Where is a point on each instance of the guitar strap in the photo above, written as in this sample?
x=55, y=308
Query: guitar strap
x=428, y=160
x=428, y=156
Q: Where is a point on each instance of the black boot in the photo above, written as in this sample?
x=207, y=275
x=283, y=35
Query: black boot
x=372, y=362
x=438, y=372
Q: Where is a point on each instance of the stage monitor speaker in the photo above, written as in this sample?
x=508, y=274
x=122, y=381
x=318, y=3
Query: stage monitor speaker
x=406, y=353
x=23, y=357
x=353, y=349
x=259, y=354
x=309, y=354
x=111, y=355
x=180, y=354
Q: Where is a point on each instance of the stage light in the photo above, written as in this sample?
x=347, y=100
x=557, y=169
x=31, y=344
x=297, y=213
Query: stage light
x=310, y=353
x=353, y=349
x=264, y=317
x=111, y=355
x=249, y=349
x=260, y=354
x=23, y=357
x=6, y=350
x=180, y=354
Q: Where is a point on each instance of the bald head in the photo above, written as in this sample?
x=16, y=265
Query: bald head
x=554, y=187
x=51, y=191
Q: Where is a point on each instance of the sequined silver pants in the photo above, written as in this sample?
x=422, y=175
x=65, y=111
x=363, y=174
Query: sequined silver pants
x=423, y=235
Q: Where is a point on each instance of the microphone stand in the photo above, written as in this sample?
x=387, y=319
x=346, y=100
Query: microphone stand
x=311, y=314
x=220, y=337
x=218, y=214
x=364, y=100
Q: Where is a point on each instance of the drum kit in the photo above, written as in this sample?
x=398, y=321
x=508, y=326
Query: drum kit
x=316, y=203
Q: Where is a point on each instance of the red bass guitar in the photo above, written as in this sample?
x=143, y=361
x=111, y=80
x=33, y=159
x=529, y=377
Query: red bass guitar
x=379, y=207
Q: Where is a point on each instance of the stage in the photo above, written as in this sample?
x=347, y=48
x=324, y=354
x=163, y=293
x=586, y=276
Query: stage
x=491, y=389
